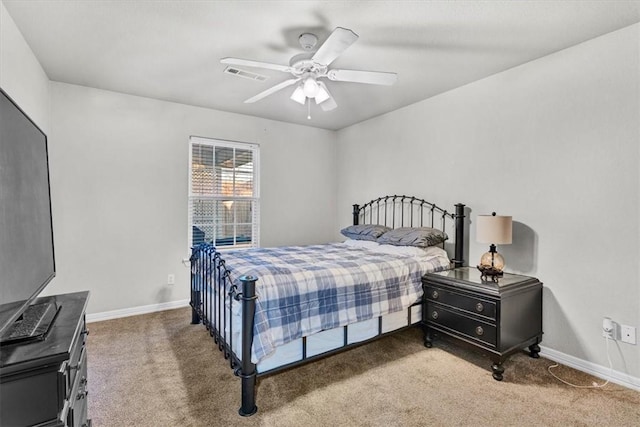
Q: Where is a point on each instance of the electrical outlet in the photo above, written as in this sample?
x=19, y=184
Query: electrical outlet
x=628, y=334
x=171, y=279
x=608, y=328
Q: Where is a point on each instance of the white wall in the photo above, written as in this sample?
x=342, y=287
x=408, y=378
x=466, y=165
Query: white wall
x=119, y=180
x=555, y=143
x=21, y=75
x=119, y=177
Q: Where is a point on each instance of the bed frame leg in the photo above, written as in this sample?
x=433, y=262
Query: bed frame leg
x=248, y=370
x=248, y=407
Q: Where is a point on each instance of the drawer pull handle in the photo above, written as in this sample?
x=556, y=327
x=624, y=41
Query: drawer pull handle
x=434, y=315
x=83, y=380
x=80, y=395
x=75, y=367
x=479, y=307
x=434, y=295
x=479, y=330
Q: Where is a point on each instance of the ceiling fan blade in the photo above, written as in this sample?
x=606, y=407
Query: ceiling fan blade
x=257, y=64
x=370, y=77
x=337, y=42
x=271, y=90
x=329, y=103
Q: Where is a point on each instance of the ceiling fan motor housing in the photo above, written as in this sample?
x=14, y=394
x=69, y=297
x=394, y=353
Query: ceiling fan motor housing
x=308, y=41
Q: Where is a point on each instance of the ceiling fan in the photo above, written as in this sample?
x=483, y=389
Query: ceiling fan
x=309, y=68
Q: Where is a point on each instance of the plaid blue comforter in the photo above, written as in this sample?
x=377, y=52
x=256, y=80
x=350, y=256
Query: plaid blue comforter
x=306, y=289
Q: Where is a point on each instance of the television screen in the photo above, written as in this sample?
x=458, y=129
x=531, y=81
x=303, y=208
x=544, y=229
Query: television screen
x=26, y=234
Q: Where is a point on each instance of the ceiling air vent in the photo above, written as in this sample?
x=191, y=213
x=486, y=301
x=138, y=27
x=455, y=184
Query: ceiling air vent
x=246, y=74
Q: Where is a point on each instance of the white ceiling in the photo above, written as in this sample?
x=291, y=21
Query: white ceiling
x=170, y=50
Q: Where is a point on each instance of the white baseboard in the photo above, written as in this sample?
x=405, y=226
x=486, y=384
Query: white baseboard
x=133, y=311
x=591, y=368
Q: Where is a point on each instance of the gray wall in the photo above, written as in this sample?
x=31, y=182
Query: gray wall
x=119, y=176
x=119, y=180
x=554, y=143
x=21, y=75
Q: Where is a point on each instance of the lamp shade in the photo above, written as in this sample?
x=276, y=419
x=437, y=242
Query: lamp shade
x=494, y=229
x=322, y=95
x=310, y=87
x=299, y=96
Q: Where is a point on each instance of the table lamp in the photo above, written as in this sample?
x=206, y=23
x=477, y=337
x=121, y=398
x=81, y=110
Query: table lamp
x=493, y=229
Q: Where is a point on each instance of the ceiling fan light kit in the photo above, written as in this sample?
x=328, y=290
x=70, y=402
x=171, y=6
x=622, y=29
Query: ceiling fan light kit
x=308, y=68
x=322, y=95
x=310, y=87
x=299, y=96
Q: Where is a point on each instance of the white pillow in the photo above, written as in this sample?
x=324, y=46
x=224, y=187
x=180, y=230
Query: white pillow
x=436, y=251
x=431, y=251
x=414, y=251
x=368, y=244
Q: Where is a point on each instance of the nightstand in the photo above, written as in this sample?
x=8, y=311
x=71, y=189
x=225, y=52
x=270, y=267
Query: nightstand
x=499, y=318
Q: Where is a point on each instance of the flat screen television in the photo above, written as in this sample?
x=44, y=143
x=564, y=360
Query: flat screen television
x=27, y=262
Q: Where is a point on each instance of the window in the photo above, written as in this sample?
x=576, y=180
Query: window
x=223, y=193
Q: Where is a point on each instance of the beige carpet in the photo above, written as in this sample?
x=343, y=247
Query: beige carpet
x=158, y=370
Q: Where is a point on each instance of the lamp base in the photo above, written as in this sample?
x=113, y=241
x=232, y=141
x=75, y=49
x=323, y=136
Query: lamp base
x=489, y=271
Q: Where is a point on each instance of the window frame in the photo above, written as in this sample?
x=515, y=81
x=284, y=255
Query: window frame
x=255, y=198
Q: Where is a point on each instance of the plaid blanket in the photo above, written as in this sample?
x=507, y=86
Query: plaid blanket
x=306, y=289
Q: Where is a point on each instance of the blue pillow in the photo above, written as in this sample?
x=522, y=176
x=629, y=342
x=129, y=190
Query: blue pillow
x=364, y=231
x=422, y=237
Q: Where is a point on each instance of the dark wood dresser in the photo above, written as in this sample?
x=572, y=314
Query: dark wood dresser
x=499, y=318
x=44, y=383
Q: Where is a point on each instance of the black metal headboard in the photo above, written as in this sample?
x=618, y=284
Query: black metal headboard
x=409, y=211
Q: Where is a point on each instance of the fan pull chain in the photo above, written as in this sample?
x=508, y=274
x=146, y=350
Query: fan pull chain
x=308, y=108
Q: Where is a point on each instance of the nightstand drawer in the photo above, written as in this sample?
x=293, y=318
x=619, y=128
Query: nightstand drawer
x=461, y=325
x=471, y=304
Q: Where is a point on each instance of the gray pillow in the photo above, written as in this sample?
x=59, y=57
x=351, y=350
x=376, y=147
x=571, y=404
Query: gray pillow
x=421, y=237
x=364, y=231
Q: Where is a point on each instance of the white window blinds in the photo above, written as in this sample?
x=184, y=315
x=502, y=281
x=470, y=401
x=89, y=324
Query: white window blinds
x=223, y=193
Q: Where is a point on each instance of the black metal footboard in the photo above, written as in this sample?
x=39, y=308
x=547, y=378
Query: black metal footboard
x=213, y=296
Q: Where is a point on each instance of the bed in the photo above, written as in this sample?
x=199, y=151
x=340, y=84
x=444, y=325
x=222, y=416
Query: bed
x=270, y=309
